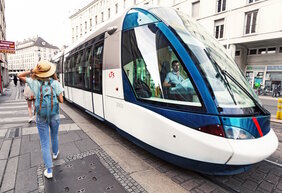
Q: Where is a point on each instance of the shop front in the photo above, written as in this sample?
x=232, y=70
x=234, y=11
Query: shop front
x=267, y=77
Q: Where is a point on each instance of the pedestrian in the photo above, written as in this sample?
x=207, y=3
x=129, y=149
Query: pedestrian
x=29, y=97
x=48, y=93
x=15, y=80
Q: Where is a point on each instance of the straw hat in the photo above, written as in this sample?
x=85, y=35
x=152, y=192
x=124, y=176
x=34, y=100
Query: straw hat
x=44, y=69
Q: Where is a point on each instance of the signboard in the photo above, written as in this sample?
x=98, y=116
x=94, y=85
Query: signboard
x=7, y=47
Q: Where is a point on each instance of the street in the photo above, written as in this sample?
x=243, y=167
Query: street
x=270, y=103
x=136, y=170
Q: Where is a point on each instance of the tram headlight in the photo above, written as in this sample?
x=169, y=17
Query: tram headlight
x=237, y=133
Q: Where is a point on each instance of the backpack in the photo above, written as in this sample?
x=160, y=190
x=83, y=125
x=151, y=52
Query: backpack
x=46, y=103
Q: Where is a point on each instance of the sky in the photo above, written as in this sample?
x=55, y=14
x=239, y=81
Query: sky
x=48, y=19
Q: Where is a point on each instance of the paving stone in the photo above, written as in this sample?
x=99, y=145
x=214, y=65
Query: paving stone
x=86, y=144
x=3, y=133
x=24, y=162
x=219, y=190
x=29, y=131
x=266, y=186
x=242, y=177
x=28, y=146
x=264, y=167
x=2, y=168
x=68, y=149
x=279, y=186
x=207, y=187
x=250, y=185
x=10, y=191
x=246, y=190
x=189, y=185
x=258, y=176
x=277, y=191
x=26, y=181
x=259, y=190
x=36, y=158
x=276, y=171
x=15, y=151
x=272, y=178
x=10, y=175
x=71, y=136
x=5, y=149
x=82, y=134
x=34, y=137
x=178, y=179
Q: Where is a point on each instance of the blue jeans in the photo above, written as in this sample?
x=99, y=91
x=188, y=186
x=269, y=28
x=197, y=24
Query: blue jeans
x=43, y=130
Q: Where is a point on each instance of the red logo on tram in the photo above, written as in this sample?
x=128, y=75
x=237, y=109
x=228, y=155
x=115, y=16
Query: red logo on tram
x=111, y=74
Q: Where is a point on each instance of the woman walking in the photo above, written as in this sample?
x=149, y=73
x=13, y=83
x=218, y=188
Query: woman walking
x=29, y=97
x=48, y=93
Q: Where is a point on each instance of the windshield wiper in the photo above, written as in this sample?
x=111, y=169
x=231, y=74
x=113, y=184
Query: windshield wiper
x=225, y=73
x=245, y=91
x=223, y=77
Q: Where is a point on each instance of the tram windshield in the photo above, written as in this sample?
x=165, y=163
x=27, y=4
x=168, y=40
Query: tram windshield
x=211, y=59
x=154, y=69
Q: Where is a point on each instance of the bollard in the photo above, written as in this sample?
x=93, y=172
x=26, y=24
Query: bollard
x=279, y=109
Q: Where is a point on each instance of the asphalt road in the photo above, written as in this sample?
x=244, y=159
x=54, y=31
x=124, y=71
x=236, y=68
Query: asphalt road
x=270, y=104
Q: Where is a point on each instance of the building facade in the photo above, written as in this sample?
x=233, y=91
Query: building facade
x=4, y=74
x=250, y=30
x=28, y=53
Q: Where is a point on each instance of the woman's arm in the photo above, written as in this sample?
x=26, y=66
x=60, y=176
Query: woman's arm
x=60, y=98
x=22, y=76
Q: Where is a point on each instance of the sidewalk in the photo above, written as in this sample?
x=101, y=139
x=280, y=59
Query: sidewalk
x=82, y=165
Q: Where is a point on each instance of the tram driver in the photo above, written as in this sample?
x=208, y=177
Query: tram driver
x=173, y=78
x=176, y=87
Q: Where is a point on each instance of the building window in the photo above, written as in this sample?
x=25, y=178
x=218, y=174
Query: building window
x=76, y=32
x=116, y=8
x=237, y=53
x=271, y=50
x=195, y=9
x=85, y=26
x=219, y=28
x=102, y=16
x=109, y=13
x=90, y=23
x=262, y=51
x=220, y=5
x=80, y=30
x=251, y=20
x=280, y=50
x=252, y=1
x=96, y=20
x=252, y=51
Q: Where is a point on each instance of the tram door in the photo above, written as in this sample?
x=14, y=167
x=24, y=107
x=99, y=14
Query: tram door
x=97, y=98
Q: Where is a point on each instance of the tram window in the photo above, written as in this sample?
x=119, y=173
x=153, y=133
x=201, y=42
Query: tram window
x=87, y=67
x=153, y=68
x=97, y=68
x=78, y=70
x=66, y=70
x=71, y=71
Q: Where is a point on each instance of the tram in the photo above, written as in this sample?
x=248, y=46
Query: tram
x=165, y=84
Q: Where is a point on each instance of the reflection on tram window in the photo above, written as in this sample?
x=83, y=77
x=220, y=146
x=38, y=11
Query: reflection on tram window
x=97, y=69
x=149, y=62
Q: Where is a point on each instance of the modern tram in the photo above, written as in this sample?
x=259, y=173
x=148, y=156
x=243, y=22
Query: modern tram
x=165, y=84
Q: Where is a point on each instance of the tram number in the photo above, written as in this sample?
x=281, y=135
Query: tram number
x=111, y=74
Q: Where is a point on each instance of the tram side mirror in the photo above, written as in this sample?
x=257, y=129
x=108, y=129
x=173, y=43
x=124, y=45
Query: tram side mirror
x=111, y=30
